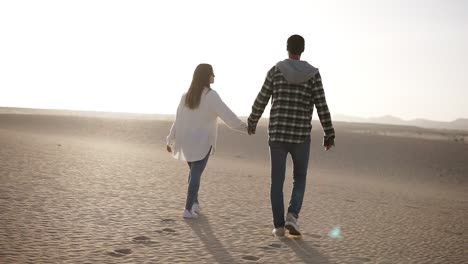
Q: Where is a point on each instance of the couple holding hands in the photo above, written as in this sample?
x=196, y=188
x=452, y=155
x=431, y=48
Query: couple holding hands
x=294, y=87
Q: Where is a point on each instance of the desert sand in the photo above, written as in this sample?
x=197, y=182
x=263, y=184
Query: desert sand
x=83, y=189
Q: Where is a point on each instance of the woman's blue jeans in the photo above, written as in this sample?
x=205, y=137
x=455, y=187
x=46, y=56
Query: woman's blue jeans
x=196, y=170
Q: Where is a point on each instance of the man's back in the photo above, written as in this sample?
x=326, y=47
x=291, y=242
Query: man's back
x=295, y=87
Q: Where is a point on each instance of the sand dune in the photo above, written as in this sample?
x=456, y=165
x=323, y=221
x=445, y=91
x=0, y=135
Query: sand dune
x=80, y=189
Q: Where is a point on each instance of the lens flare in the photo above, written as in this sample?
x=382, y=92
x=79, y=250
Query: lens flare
x=335, y=232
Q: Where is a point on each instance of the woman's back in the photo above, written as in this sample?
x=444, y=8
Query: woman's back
x=203, y=113
x=195, y=130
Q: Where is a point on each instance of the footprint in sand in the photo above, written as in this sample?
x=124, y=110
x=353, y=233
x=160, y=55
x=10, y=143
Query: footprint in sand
x=276, y=245
x=363, y=260
x=167, y=230
x=120, y=252
x=142, y=240
x=350, y=201
x=251, y=258
x=453, y=232
x=167, y=221
x=265, y=248
x=412, y=207
x=272, y=247
x=315, y=236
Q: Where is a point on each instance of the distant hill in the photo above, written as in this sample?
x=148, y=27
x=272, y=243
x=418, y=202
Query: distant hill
x=32, y=111
x=458, y=124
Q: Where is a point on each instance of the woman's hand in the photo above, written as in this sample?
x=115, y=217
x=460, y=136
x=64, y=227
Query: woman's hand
x=169, y=149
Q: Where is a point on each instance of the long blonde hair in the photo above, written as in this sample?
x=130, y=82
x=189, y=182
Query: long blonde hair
x=201, y=79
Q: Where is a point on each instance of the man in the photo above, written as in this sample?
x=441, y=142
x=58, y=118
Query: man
x=295, y=87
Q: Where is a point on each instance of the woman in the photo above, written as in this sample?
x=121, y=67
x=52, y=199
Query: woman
x=194, y=132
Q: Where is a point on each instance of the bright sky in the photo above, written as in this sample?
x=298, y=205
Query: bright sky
x=403, y=58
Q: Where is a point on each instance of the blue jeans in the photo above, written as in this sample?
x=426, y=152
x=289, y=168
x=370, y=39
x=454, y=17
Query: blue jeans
x=196, y=170
x=300, y=156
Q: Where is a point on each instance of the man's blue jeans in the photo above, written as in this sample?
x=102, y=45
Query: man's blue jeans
x=300, y=157
x=196, y=170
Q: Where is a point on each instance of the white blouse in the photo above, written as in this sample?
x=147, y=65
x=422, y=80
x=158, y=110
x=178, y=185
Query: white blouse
x=195, y=130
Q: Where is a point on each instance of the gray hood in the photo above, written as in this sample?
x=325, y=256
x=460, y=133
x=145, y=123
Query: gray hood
x=296, y=71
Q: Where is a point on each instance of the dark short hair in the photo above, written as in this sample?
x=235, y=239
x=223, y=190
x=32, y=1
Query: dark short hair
x=296, y=44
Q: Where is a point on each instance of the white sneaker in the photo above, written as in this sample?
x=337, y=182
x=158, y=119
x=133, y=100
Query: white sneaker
x=278, y=232
x=196, y=208
x=291, y=225
x=189, y=214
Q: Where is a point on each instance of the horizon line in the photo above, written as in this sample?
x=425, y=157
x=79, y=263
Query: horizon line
x=267, y=117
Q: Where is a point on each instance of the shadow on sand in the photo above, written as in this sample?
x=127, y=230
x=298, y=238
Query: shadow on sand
x=203, y=230
x=307, y=253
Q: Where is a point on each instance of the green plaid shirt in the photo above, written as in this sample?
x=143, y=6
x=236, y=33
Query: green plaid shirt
x=292, y=107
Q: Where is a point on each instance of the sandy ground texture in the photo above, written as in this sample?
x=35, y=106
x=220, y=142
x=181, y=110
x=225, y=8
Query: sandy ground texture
x=103, y=190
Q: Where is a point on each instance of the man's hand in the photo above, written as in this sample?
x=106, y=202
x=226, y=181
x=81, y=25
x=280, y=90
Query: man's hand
x=328, y=142
x=251, y=130
x=169, y=149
